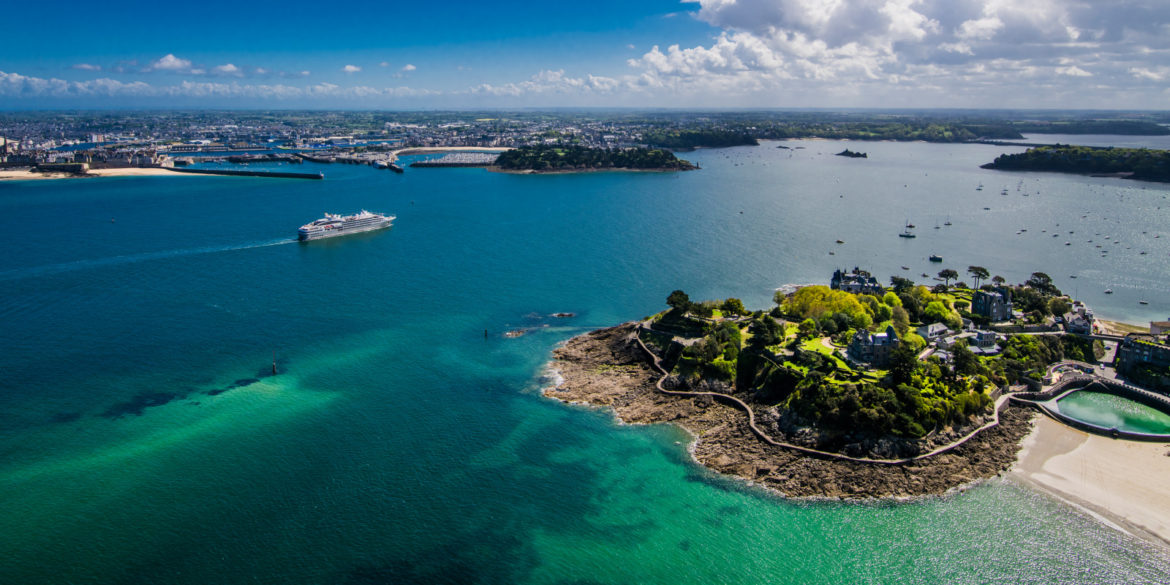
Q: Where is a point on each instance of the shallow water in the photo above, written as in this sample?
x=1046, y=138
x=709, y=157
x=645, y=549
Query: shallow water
x=142, y=439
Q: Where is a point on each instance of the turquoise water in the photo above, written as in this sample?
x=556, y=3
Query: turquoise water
x=141, y=439
x=1114, y=412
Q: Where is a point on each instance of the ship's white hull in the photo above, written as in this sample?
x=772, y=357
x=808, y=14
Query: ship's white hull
x=341, y=229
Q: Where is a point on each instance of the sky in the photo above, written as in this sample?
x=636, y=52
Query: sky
x=1071, y=54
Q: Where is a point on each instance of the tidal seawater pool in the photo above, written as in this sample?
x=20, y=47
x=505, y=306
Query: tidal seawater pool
x=1114, y=412
x=143, y=439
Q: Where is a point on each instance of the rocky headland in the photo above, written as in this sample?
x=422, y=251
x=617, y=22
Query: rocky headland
x=608, y=368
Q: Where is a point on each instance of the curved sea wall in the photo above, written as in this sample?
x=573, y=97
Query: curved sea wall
x=1077, y=383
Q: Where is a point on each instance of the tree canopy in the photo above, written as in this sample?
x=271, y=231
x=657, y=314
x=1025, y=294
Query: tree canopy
x=567, y=158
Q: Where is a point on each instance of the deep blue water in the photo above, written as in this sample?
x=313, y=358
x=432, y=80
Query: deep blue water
x=141, y=438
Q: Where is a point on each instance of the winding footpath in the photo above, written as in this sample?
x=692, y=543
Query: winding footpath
x=656, y=362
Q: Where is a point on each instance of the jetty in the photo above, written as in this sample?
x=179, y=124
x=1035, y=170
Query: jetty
x=238, y=173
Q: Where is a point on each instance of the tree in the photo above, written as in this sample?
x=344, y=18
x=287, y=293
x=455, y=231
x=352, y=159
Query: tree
x=903, y=363
x=679, y=301
x=808, y=328
x=901, y=284
x=948, y=275
x=998, y=280
x=1043, y=283
x=978, y=273
x=935, y=312
x=734, y=306
x=901, y=321
x=1059, y=306
x=964, y=359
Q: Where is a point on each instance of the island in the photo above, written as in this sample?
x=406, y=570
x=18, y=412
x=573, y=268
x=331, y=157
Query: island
x=851, y=154
x=1141, y=164
x=571, y=159
x=849, y=391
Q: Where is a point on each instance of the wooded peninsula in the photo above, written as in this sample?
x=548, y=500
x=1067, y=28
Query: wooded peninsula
x=1142, y=164
x=832, y=410
x=581, y=158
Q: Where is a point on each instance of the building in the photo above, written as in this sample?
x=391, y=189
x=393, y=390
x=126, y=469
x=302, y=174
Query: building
x=996, y=305
x=984, y=343
x=1140, y=348
x=858, y=282
x=1146, y=357
x=1159, y=327
x=1077, y=323
x=874, y=348
x=932, y=331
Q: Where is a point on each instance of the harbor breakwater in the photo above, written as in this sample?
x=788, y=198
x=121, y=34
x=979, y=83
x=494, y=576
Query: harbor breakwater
x=235, y=173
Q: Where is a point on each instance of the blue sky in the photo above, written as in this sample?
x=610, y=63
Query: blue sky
x=644, y=53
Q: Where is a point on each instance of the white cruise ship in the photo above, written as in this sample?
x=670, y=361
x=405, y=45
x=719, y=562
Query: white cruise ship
x=338, y=225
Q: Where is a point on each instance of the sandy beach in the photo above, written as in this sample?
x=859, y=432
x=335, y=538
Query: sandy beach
x=25, y=175
x=1123, y=482
x=1118, y=328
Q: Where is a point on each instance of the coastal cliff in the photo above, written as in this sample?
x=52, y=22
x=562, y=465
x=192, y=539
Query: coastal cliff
x=608, y=368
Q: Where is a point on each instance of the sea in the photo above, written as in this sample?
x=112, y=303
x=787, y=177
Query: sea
x=404, y=439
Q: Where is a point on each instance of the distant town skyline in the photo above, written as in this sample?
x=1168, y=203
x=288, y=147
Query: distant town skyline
x=1073, y=54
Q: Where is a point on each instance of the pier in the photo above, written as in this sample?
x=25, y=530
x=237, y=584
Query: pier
x=235, y=173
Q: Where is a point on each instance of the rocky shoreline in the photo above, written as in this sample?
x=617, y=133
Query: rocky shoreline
x=607, y=368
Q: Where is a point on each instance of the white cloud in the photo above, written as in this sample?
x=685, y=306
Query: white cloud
x=408, y=67
x=1073, y=71
x=384, y=64
x=550, y=82
x=1160, y=74
x=87, y=67
x=169, y=62
x=15, y=85
x=820, y=52
x=228, y=69
x=980, y=28
x=351, y=69
x=961, y=48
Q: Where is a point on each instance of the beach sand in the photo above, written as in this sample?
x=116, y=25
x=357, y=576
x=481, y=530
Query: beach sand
x=1119, y=328
x=24, y=174
x=1123, y=482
